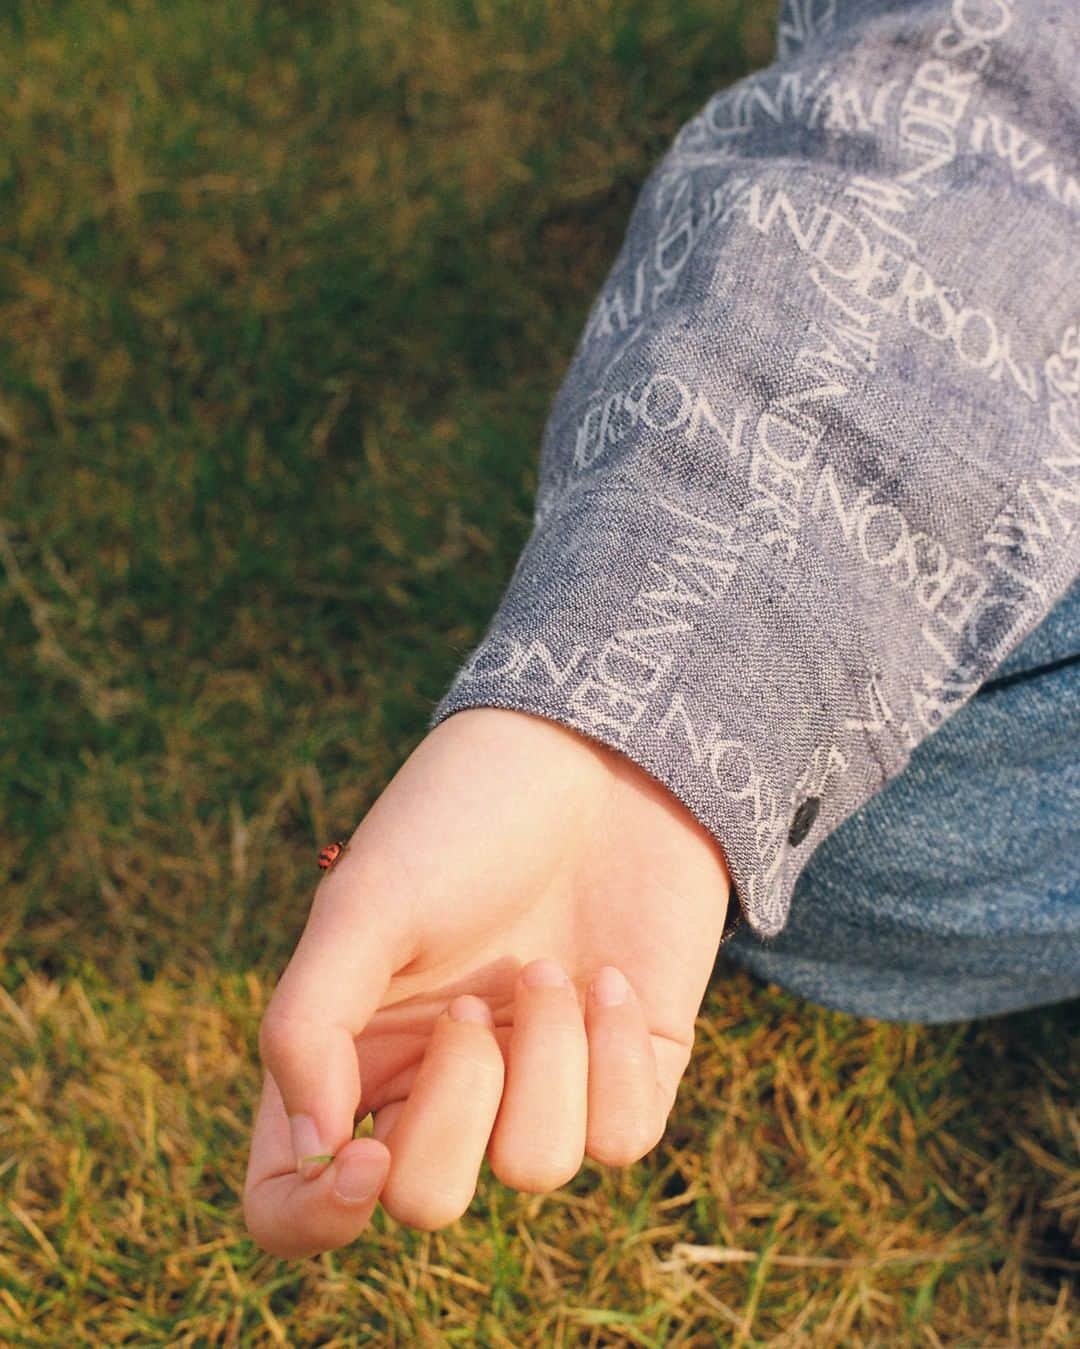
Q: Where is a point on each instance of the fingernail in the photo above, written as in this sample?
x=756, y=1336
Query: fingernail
x=545, y=974
x=610, y=987
x=360, y=1174
x=468, y=1008
x=308, y=1147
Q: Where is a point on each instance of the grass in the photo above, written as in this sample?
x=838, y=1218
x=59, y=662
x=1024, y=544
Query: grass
x=285, y=294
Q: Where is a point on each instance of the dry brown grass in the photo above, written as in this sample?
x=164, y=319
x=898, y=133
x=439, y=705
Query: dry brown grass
x=824, y=1180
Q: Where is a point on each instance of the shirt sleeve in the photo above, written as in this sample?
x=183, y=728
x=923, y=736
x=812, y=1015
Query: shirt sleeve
x=814, y=468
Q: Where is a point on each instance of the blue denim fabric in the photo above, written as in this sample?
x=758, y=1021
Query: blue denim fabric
x=955, y=892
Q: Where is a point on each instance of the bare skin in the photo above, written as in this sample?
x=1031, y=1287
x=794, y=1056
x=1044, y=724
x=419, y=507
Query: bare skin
x=504, y=842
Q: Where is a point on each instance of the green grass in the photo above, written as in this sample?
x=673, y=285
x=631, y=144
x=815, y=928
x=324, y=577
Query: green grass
x=286, y=291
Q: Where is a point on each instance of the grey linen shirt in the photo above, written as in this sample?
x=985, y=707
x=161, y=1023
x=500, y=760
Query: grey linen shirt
x=814, y=469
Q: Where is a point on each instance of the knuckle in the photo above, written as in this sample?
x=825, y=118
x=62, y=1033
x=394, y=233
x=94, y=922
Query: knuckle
x=540, y=1178
x=263, y=1234
x=265, y=1240
x=288, y=1244
x=625, y=1145
x=426, y=1212
x=617, y=1152
x=279, y=1037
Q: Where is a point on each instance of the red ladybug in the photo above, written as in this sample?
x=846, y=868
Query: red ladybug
x=330, y=855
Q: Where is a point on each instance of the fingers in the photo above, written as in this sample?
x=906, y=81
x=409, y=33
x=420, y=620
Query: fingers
x=433, y=1142
x=629, y=1099
x=292, y=1217
x=574, y=1089
x=539, y=1138
x=565, y=1088
x=350, y=949
x=438, y=1136
x=569, y=1091
x=558, y=1089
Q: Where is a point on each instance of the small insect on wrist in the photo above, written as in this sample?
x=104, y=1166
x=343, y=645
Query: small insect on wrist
x=330, y=855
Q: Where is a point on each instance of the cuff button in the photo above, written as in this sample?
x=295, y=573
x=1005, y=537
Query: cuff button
x=804, y=820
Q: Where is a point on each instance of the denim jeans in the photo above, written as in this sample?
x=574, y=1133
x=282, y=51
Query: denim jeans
x=955, y=891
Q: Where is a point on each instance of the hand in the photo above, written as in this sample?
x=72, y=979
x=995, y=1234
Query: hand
x=503, y=838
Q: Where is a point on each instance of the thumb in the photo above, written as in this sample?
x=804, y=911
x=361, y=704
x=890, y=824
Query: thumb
x=354, y=942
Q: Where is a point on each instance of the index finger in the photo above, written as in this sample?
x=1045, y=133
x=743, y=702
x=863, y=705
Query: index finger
x=355, y=939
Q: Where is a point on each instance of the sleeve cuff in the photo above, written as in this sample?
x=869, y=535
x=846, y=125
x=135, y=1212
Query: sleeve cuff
x=648, y=628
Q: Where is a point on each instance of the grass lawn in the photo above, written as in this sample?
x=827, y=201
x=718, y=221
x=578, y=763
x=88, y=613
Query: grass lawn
x=286, y=290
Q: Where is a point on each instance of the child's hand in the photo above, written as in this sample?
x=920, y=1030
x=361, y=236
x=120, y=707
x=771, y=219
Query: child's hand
x=504, y=838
